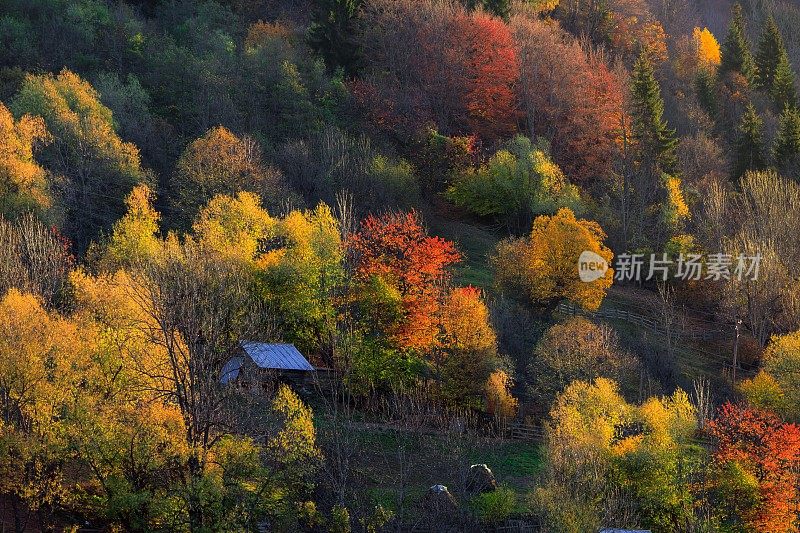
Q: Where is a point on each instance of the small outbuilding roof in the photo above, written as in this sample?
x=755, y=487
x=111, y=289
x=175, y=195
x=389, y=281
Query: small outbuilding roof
x=231, y=369
x=276, y=356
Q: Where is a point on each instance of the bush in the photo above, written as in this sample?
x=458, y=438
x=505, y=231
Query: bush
x=340, y=520
x=494, y=507
x=518, y=183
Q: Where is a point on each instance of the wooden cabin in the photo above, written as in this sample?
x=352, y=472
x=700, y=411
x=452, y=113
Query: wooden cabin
x=260, y=363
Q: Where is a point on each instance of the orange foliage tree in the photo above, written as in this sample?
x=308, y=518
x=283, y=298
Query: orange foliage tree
x=544, y=267
x=707, y=47
x=396, y=248
x=758, y=456
x=469, y=347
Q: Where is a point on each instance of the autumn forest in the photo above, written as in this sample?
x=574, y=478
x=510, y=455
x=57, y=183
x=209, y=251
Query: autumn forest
x=400, y=265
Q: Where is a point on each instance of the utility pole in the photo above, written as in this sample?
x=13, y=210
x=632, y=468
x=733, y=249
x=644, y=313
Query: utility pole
x=736, y=349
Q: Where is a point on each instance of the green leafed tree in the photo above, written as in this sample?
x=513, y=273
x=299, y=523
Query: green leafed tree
x=749, y=145
x=518, y=183
x=98, y=168
x=736, y=55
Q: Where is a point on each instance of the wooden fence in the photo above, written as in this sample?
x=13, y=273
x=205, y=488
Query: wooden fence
x=527, y=432
x=509, y=526
x=643, y=321
x=691, y=356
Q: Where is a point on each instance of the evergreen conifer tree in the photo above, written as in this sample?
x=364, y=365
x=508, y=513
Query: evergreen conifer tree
x=783, y=91
x=705, y=86
x=770, y=49
x=501, y=8
x=736, y=55
x=787, y=141
x=749, y=145
x=656, y=140
x=332, y=34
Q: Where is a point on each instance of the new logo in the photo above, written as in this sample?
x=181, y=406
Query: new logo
x=591, y=266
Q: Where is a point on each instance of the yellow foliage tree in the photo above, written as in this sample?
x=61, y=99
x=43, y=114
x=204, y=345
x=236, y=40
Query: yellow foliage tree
x=468, y=353
x=545, y=265
x=598, y=444
x=707, y=47
x=765, y=392
x=675, y=211
x=293, y=448
x=499, y=401
x=133, y=238
x=43, y=359
x=300, y=270
x=668, y=420
x=465, y=322
x=587, y=414
x=777, y=386
x=233, y=226
x=99, y=167
x=23, y=183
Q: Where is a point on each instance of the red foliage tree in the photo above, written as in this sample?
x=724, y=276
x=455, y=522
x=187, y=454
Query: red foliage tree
x=396, y=248
x=767, y=449
x=432, y=63
x=493, y=73
x=570, y=96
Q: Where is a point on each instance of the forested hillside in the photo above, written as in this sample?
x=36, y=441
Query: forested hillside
x=399, y=265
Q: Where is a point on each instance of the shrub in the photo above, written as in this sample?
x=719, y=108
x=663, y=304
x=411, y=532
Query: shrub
x=494, y=507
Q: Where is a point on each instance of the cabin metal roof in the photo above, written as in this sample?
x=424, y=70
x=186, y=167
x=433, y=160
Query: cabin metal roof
x=276, y=356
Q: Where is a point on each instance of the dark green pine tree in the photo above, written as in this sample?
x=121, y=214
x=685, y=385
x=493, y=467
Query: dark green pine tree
x=749, y=145
x=332, y=34
x=787, y=141
x=736, y=55
x=656, y=140
x=705, y=86
x=783, y=91
x=770, y=48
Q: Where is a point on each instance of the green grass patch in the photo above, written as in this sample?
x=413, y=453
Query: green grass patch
x=476, y=243
x=512, y=459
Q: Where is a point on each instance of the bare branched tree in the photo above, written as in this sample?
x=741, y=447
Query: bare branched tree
x=199, y=309
x=764, y=219
x=701, y=398
x=670, y=318
x=338, y=438
x=33, y=258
